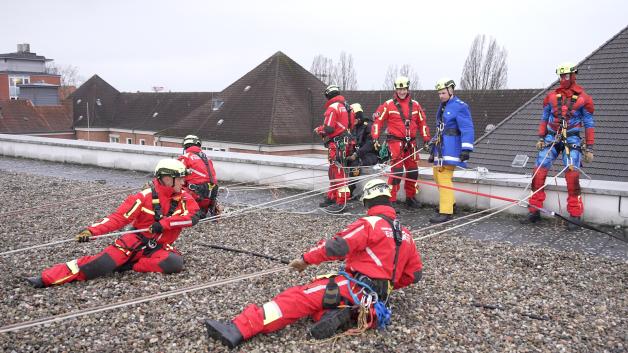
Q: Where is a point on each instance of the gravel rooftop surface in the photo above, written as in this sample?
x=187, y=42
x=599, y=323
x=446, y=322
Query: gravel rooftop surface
x=478, y=294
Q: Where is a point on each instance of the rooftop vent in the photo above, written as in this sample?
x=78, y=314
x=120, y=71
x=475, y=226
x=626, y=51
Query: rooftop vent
x=24, y=48
x=520, y=161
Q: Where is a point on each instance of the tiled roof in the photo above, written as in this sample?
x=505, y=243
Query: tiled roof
x=21, y=117
x=140, y=111
x=604, y=75
x=278, y=102
x=487, y=107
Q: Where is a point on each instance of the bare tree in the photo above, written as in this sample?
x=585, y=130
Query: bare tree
x=485, y=67
x=324, y=69
x=406, y=70
x=69, y=74
x=346, y=77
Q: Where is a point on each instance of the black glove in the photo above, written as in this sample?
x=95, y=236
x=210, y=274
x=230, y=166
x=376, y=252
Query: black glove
x=464, y=155
x=156, y=228
x=84, y=236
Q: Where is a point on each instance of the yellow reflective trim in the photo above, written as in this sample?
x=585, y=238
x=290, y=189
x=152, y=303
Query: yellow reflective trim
x=381, y=116
x=327, y=275
x=146, y=192
x=137, y=204
x=144, y=209
x=344, y=189
x=62, y=279
x=104, y=220
x=272, y=312
x=184, y=207
x=176, y=212
x=73, y=266
x=420, y=116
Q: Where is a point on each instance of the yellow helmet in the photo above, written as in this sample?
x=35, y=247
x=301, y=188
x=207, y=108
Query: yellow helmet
x=190, y=140
x=444, y=83
x=356, y=107
x=170, y=167
x=402, y=82
x=566, y=68
x=374, y=188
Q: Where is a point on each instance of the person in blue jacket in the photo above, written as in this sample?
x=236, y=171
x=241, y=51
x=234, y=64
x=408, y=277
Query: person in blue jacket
x=451, y=145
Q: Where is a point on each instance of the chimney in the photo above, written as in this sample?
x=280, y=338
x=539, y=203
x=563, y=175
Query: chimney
x=23, y=48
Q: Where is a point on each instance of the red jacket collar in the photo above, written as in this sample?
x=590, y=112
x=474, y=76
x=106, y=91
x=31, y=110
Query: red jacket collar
x=383, y=210
x=573, y=89
x=336, y=99
x=163, y=190
x=193, y=149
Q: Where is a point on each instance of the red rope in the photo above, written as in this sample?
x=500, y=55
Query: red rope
x=452, y=188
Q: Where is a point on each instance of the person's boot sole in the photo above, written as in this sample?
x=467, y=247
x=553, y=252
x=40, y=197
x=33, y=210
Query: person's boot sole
x=215, y=334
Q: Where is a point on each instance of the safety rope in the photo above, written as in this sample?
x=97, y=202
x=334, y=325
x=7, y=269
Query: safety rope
x=147, y=298
x=55, y=206
x=72, y=239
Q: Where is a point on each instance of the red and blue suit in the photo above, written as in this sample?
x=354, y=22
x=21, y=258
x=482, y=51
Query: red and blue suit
x=140, y=252
x=201, y=179
x=567, y=113
x=368, y=248
x=336, y=132
x=406, y=119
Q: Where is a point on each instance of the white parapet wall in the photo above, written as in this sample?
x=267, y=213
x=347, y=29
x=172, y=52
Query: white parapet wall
x=605, y=202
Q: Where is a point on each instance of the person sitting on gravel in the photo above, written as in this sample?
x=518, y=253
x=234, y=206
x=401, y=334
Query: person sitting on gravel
x=163, y=208
x=380, y=256
x=201, y=178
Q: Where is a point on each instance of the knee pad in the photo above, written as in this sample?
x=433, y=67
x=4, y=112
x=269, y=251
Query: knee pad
x=414, y=175
x=98, y=267
x=172, y=264
x=396, y=175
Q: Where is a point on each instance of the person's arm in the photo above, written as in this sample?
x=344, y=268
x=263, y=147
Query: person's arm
x=412, y=270
x=421, y=121
x=125, y=214
x=352, y=239
x=465, y=125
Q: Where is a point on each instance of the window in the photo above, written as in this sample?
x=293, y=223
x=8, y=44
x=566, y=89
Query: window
x=14, y=81
x=217, y=104
x=114, y=139
x=129, y=140
x=142, y=142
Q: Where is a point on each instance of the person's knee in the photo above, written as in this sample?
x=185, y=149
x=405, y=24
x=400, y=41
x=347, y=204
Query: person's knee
x=172, y=264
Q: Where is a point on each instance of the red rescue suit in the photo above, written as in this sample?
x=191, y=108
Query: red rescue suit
x=403, y=128
x=336, y=132
x=368, y=248
x=141, y=252
x=201, y=180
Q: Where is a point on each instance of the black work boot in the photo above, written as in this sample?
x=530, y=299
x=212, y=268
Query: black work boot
x=532, y=217
x=35, y=281
x=573, y=227
x=441, y=217
x=331, y=321
x=326, y=203
x=335, y=208
x=225, y=332
x=411, y=202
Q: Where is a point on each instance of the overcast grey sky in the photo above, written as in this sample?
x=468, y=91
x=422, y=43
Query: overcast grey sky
x=206, y=45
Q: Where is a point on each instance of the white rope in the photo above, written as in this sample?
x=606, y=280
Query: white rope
x=125, y=303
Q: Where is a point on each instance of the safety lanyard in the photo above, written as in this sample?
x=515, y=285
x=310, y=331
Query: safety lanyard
x=203, y=157
x=405, y=119
x=398, y=236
